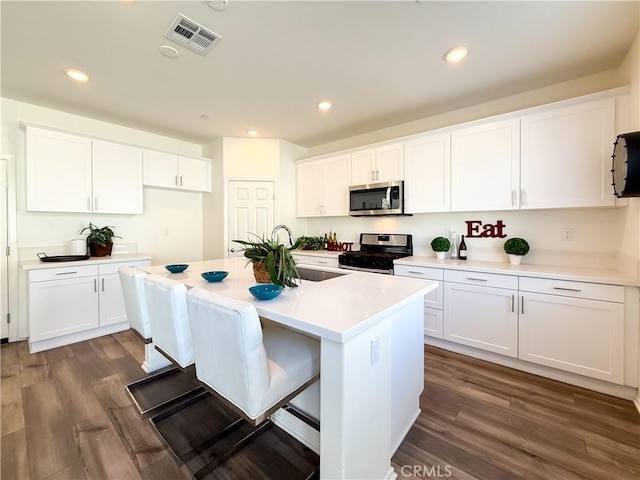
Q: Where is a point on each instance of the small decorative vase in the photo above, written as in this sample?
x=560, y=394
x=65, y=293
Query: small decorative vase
x=515, y=259
x=261, y=273
x=96, y=250
x=441, y=255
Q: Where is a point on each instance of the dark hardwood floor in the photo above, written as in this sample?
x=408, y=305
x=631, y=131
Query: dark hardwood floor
x=65, y=415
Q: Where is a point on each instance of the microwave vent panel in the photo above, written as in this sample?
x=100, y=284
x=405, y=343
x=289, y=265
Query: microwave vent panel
x=192, y=35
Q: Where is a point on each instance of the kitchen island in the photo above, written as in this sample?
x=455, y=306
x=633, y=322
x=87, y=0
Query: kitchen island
x=371, y=346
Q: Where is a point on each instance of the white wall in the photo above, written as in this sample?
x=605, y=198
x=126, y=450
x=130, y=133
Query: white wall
x=170, y=229
x=250, y=159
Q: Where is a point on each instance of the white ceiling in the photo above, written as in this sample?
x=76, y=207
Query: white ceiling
x=379, y=62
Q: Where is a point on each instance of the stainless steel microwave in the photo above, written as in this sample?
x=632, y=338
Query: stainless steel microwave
x=376, y=199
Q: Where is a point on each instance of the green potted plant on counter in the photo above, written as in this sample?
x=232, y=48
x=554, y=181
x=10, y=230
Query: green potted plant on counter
x=516, y=247
x=441, y=246
x=311, y=243
x=272, y=261
x=99, y=240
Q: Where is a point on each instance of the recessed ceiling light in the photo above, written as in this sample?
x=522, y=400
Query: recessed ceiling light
x=455, y=54
x=168, y=51
x=324, y=105
x=252, y=133
x=204, y=117
x=76, y=74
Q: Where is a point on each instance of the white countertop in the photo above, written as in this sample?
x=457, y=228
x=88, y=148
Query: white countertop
x=337, y=309
x=317, y=253
x=37, y=264
x=580, y=274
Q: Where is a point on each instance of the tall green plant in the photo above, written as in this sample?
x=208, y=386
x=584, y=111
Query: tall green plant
x=277, y=258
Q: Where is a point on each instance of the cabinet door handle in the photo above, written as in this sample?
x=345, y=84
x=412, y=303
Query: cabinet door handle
x=373, y=174
x=567, y=289
x=513, y=199
x=513, y=302
x=523, y=197
x=176, y=180
x=416, y=273
x=522, y=304
x=377, y=174
x=95, y=286
x=95, y=204
x=477, y=279
x=88, y=204
x=180, y=180
x=66, y=273
x=102, y=284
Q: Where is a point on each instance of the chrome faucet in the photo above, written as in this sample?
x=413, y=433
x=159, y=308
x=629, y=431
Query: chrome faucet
x=278, y=227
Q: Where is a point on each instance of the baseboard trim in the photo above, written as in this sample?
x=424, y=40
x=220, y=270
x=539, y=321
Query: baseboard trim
x=620, y=391
x=636, y=402
x=297, y=428
x=50, y=343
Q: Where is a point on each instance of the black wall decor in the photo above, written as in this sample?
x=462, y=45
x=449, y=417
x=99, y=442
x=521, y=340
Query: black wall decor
x=625, y=165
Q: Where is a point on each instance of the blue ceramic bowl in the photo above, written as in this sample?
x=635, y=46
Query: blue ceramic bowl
x=216, y=276
x=177, y=268
x=265, y=291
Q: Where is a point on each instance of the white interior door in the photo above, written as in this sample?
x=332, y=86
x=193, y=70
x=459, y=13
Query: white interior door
x=4, y=226
x=250, y=210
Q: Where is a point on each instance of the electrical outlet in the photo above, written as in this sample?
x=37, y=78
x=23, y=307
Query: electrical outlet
x=375, y=350
x=567, y=234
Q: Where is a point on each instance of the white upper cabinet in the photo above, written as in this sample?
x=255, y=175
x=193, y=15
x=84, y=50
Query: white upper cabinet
x=58, y=172
x=173, y=171
x=566, y=156
x=427, y=174
x=485, y=166
x=117, y=178
x=323, y=187
x=382, y=164
x=309, y=188
x=69, y=173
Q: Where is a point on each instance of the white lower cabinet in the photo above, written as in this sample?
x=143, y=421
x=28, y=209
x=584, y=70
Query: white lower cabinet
x=481, y=317
x=70, y=304
x=579, y=335
x=62, y=306
x=318, y=260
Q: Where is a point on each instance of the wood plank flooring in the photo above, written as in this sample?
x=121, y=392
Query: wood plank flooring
x=65, y=415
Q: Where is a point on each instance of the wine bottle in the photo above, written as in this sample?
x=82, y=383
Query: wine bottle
x=462, y=251
x=325, y=242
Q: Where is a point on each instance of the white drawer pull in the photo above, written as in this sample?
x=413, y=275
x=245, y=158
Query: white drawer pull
x=477, y=279
x=322, y=261
x=66, y=273
x=416, y=273
x=567, y=289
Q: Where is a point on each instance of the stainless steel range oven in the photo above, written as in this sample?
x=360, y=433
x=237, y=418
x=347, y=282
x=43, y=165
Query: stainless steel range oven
x=377, y=252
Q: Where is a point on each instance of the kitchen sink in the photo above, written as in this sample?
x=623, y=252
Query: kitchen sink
x=317, y=275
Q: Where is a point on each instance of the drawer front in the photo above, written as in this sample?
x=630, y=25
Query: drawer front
x=481, y=279
x=594, y=291
x=419, y=272
x=313, y=260
x=108, y=268
x=433, y=322
x=60, y=273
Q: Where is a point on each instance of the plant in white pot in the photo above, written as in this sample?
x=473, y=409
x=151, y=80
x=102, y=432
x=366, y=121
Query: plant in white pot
x=516, y=247
x=441, y=246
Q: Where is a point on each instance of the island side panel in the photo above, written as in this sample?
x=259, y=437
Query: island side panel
x=407, y=369
x=355, y=406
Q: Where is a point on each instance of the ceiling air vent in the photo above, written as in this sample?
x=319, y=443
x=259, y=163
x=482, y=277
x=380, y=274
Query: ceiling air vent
x=192, y=35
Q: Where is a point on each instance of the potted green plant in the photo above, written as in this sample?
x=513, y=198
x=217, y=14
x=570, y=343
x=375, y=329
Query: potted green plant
x=99, y=240
x=311, y=243
x=441, y=246
x=272, y=261
x=516, y=247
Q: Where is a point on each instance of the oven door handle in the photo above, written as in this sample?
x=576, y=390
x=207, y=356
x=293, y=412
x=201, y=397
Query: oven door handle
x=388, y=197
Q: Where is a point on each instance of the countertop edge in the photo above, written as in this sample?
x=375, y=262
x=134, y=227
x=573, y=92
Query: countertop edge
x=580, y=274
